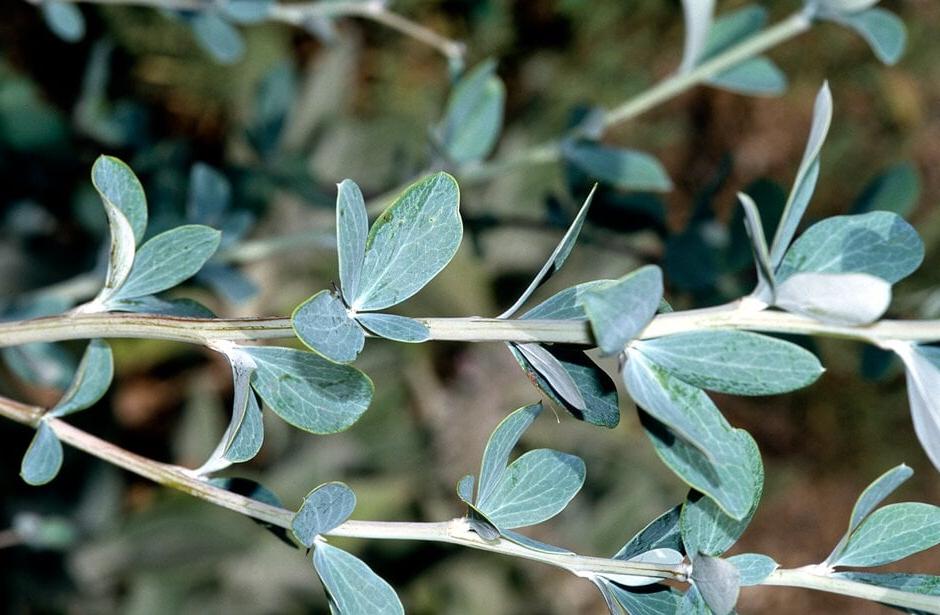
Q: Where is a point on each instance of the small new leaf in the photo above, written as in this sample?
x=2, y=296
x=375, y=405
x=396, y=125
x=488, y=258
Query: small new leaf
x=323, y=324
x=474, y=115
x=352, y=229
x=325, y=508
x=891, y=533
x=397, y=328
x=43, y=458
x=620, y=311
x=753, y=567
x=718, y=581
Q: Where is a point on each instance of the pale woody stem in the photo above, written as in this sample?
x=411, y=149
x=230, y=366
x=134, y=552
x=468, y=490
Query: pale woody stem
x=455, y=531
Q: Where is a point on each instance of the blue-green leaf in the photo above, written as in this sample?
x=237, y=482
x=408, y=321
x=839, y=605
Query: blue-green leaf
x=323, y=324
x=706, y=529
x=148, y=304
x=754, y=568
x=500, y=444
x=693, y=603
x=757, y=76
x=620, y=311
x=601, y=406
x=352, y=228
x=392, y=327
x=871, y=497
x=718, y=581
x=210, y=194
x=649, y=600
x=249, y=434
x=806, y=176
x=838, y=298
x=246, y=11
x=64, y=19
x=879, y=243
x=465, y=488
x=626, y=169
x=698, y=22
x=659, y=557
x=667, y=399
x=662, y=532
x=726, y=472
x=557, y=259
x=218, y=37
x=891, y=533
x=923, y=382
x=120, y=189
x=474, y=115
x=897, y=189
x=566, y=304
x=309, y=391
x=43, y=458
x=535, y=487
x=410, y=243
x=731, y=28
x=735, y=362
x=353, y=588
x=882, y=30
x=41, y=363
x=325, y=508
x=91, y=380
x=169, y=259
x=554, y=374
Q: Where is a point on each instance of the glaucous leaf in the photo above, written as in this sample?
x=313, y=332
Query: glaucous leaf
x=837, y=298
x=882, y=30
x=753, y=568
x=392, y=327
x=620, y=311
x=878, y=243
x=309, y=391
x=148, y=304
x=465, y=488
x=718, y=581
x=64, y=19
x=91, y=380
x=534, y=488
x=626, y=169
x=557, y=259
x=648, y=600
x=218, y=37
x=41, y=363
x=410, y=243
x=120, y=189
x=758, y=76
x=734, y=362
x=897, y=189
x=353, y=588
x=662, y=532
x=325, y=508
x=708, y=530
x=352, y=228
x=731, y=28
x=249, y=434
x=698, y=22
x=474, y=115
x=723, y=473
x=891, y=533
x=601, y=404
x=210, y=194
x=871, y=497
x=168, y=259
x=323, y=324
x=554, y=373
x=693, y=603
x=923, y=382
x=500, y=444
x=806, y=176
x=43, y=458
x=566, y=304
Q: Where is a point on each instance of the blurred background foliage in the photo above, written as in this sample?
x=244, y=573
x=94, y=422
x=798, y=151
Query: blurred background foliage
x=298, y=114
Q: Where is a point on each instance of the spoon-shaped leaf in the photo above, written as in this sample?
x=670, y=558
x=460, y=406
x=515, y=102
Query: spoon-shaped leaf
x=43, y=458
x=352, y=228
x=324, y=509
x=500, y=444
x=323, y=324
x=620, y=311
x=352, y=586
